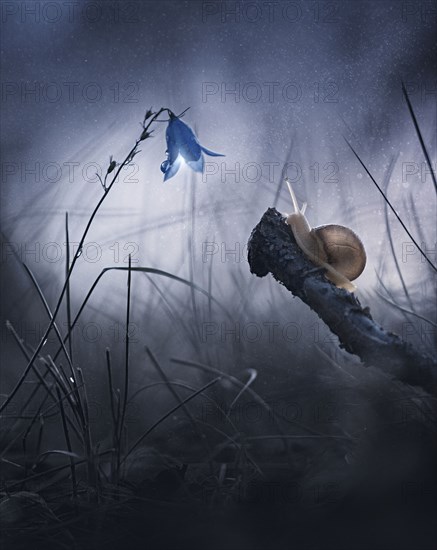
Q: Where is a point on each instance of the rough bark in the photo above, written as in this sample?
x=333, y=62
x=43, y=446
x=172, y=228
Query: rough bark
x=273, y=249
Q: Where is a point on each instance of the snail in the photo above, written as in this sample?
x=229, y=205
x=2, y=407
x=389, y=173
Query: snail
x=333, y=247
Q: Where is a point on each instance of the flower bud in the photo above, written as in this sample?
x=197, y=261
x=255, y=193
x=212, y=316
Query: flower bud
x=112, y=165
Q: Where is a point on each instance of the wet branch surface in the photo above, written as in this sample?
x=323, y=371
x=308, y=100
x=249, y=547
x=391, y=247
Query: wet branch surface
x=273, y=249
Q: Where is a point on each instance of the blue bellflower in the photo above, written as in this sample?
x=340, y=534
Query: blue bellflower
x=182, y=144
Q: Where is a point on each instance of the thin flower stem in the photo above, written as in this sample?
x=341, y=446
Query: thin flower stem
x=73, y=263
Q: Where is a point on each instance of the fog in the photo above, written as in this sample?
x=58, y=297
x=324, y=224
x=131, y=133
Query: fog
x=279, y=88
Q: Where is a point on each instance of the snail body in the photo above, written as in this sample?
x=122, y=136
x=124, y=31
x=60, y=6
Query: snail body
x=334, y=247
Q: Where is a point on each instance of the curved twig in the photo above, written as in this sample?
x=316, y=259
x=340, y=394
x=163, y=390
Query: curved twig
x=273, y=249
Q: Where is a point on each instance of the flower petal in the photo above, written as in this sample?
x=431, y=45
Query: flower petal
x=182, y=144
x=196, y=165
x=211, y=153
x=186, y=141
x=173, y=168
x=172, y=145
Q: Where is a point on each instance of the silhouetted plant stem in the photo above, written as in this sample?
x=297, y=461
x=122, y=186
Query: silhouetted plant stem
x=145, y=270
x=68, y=443
x=126, y=362
x=68, y=300
x=391, y=207
x=113, y=414
x=390, y=238
x=91, y=469
x=77, y=254
x=419, y=135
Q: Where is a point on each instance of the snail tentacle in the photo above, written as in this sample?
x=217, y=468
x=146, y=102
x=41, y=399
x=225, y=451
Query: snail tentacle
x=334, y=247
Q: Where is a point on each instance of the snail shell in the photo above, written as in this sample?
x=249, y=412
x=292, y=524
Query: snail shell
x=343, y=249
x=334, y=247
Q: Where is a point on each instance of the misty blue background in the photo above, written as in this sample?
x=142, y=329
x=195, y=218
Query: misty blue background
x=344, y=59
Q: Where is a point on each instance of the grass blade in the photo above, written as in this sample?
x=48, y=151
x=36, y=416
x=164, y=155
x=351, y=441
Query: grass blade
x=419, y=135
x=391, y=206
x=145, y=270
x=390, y=238
x=67, y=295
x=126, y=361
x=68, y=443
x=186, y=410
x=116, y=173
x=169, y=413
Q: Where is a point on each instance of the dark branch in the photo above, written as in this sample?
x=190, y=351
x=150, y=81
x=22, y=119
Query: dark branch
x=273, y=249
